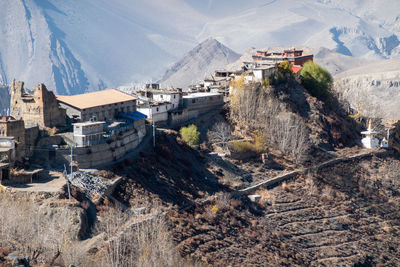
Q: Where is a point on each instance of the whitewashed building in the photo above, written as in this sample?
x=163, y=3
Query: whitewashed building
x=88, y=133
x=156, y=112
x=167, y=96
x=370, y=141
x=262, y=72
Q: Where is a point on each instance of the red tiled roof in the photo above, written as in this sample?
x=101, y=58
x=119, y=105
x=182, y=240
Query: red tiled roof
x=296, y=68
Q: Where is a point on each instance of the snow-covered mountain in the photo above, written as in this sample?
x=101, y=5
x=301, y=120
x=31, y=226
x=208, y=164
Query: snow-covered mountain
x=198, y=63
x=76, y=46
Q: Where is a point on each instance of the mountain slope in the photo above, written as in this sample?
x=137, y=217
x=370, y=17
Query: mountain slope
x=30, y=50
x=89, y=45
x=373, y=89
x=363, y=29
x=201, y=61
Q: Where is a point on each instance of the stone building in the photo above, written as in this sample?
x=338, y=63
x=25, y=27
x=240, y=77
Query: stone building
x=88, y=133
x=156, y=112
x=39, y=108
x=101, y=105
x=264, y=71
x=24, y=138
x=12, y=128
x=295, y=57
x=203, y=102
x=161, y=95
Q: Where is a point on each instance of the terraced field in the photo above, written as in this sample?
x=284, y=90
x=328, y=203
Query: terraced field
x=343, y=215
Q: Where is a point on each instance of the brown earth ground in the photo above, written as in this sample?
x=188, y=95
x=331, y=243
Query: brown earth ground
x=339, y=216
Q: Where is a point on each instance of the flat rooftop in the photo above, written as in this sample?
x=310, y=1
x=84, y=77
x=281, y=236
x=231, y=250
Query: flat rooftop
x=265, y=67
x=203, y=94
x=88, y=123
x=95, y=99
x=161, y=91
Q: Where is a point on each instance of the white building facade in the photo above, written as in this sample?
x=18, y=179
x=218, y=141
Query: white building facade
x=88, y=133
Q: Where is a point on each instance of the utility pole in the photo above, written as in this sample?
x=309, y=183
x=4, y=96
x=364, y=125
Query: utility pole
x=72, y=154
x=154, y=134
x=66, y=178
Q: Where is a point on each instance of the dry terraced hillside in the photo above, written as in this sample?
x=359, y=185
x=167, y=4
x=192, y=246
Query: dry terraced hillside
x=343, y=215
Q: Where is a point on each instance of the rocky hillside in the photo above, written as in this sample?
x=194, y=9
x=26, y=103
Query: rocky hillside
x=346, y=215
x=198, y=63
x=373, y=89
x=294, y=122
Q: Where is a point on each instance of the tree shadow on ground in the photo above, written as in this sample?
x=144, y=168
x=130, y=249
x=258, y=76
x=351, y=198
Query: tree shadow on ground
x=173, y=172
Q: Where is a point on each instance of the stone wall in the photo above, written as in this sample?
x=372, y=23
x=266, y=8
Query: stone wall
x=204, y=104
x=14, y=128
x=178, y=117
x=37, y=109
x=96, y=155
x=31, y=136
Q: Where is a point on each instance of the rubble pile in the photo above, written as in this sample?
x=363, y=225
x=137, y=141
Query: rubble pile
x=93, y=186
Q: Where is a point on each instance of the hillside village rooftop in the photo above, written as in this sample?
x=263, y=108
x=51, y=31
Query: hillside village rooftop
x=201, y=94
x=95, y=99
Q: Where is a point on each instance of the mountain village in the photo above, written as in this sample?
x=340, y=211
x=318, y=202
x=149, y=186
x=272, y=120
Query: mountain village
x=100, y=128
x=92, y=147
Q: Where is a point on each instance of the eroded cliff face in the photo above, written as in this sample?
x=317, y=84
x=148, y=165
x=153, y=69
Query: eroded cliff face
x=373, y=89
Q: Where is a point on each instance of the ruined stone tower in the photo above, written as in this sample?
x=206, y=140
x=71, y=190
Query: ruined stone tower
x=37, y=109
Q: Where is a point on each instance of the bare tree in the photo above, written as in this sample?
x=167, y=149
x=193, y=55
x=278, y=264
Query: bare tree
x=135, y=239
x=260, y=109
x=220, y=133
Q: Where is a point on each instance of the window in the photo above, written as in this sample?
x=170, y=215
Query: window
x=161, y=96
x=174, y=96
x=193, y=100
x=157, y=109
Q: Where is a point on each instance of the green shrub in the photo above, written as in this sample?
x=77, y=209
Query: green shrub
x=285, y=68
x=266, y=82
x=190, y=135
x=316, y=79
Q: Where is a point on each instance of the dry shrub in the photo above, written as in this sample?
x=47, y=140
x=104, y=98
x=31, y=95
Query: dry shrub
x=267, y=196
x=327, y=193
x=40, y=234
x=50, y=131
x=242, y=146
x=285, y=186
x=312, y=187
x=222, y=201
x=137, y=240
x=236, y=203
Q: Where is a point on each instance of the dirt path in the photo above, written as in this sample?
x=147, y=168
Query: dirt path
x=290, y=175
x=52, y=183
